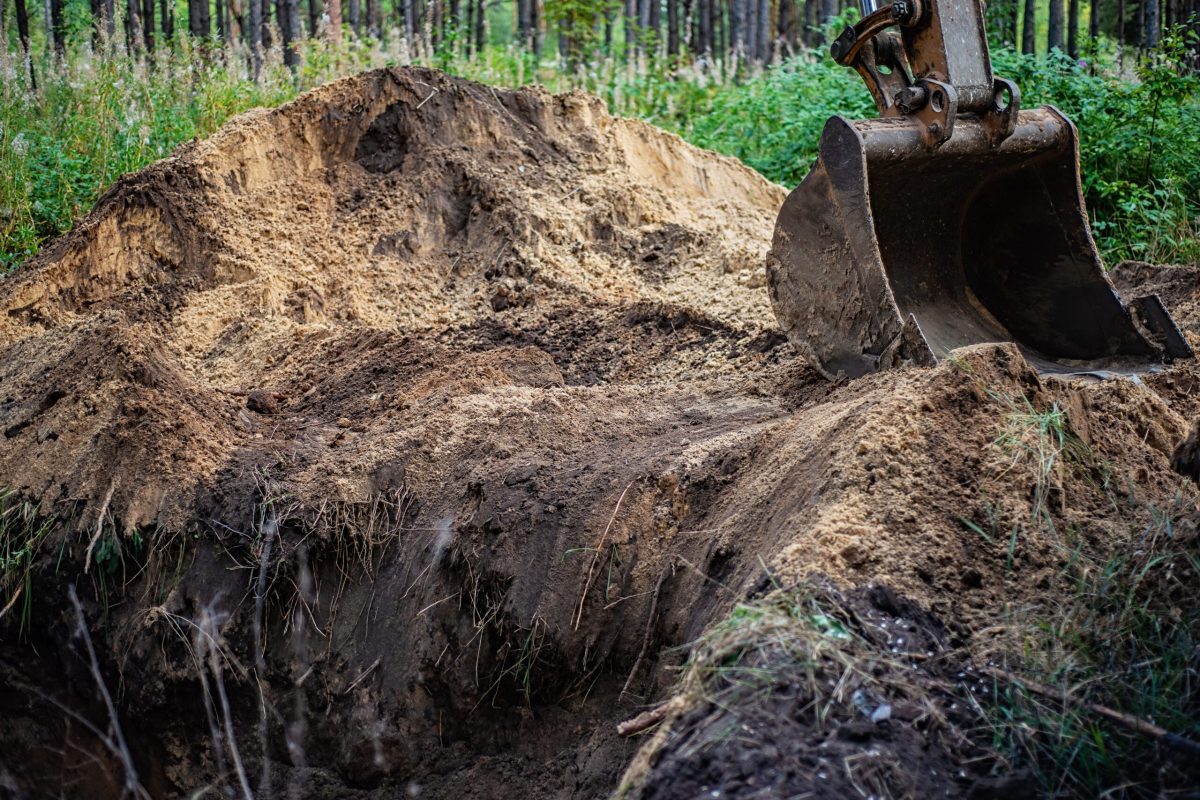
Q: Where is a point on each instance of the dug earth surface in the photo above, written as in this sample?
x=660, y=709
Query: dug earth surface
x=401, y=439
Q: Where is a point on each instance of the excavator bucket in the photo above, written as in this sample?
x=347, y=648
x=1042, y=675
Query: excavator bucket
x=891, y=252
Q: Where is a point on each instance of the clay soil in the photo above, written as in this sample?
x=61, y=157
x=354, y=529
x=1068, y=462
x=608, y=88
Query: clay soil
x=400, y=441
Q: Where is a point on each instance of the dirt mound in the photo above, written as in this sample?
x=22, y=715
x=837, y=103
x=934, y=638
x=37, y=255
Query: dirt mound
x=398, y=439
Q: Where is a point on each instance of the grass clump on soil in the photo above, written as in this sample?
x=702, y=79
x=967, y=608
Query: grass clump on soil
x=810, y=689
x=1128, y=639
x=22, y=534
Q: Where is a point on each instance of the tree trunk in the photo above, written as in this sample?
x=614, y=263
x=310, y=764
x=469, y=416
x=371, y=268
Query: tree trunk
x=287, y=14
x=630, y=30
x=720, y=43
x=110, y=19
x=749, y=32
x=655, y=23
x=133, y=26
x=1054, y=29
x=672, y=30
x=737, y=27
x=147, y=24
x=1073, y=29
x=786, y=28
x=704, y=39
x=1094, y=22
x=1029, y=28
x=23, y=35
x=480, y=26
x=524, y=22
x=199, y=21
x=255, y=24
x=1153, y=29
x=537, y=14
x=334, y=9
x=314, y=16
x=829, y=10
x=410, y=21
x=166, y=21
x=764, y=31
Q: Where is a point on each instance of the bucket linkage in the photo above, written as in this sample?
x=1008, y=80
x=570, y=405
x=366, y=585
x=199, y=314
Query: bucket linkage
x=954, y=219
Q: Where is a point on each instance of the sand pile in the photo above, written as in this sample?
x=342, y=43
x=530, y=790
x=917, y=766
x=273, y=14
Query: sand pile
x=456, y=411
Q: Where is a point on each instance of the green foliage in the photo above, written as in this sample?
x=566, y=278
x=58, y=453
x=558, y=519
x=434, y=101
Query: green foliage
x=94, y=118
x=1139, y=145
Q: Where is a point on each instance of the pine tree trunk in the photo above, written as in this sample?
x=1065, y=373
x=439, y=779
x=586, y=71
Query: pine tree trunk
x=1153, y=29
x=643, y=20
x=133, y=26
x=704, y=43
x=523, y=22
x=630, y=30
x=199, y=22
x=166, y=18
x=480, y=26
x=1054, y=30
x=672, y=30
x=764, y=31
x=720, y=43
x=287, y=15
x=23, y=35
x=737, y=26
x=538, y=14
x=656, y=23
x=147, y=23
x=254, y=33
x=410, y=21
x=784, y=31
x=1029, y=28
x=334, y=8
x=750, y=32
x=1094, y=22
x=1073, y=29
x=58, y=29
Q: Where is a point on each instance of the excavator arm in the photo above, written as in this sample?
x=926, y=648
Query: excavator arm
x=955, y=218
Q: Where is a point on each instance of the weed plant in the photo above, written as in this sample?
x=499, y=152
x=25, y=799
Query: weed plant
x=22, y=534
x=1127, y=638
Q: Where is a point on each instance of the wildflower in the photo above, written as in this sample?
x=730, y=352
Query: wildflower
x=20, y=145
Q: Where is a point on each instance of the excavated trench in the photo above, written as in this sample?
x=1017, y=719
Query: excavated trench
x=401, y=440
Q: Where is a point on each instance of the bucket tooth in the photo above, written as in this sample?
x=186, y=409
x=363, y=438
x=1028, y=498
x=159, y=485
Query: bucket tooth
x=892, y=253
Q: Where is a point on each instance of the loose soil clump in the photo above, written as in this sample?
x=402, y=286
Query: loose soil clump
x=409, y=437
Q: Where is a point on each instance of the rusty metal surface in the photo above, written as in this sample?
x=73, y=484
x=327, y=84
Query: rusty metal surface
x=890, y=252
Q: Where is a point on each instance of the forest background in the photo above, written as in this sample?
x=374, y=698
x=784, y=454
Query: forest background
x=95, y=88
